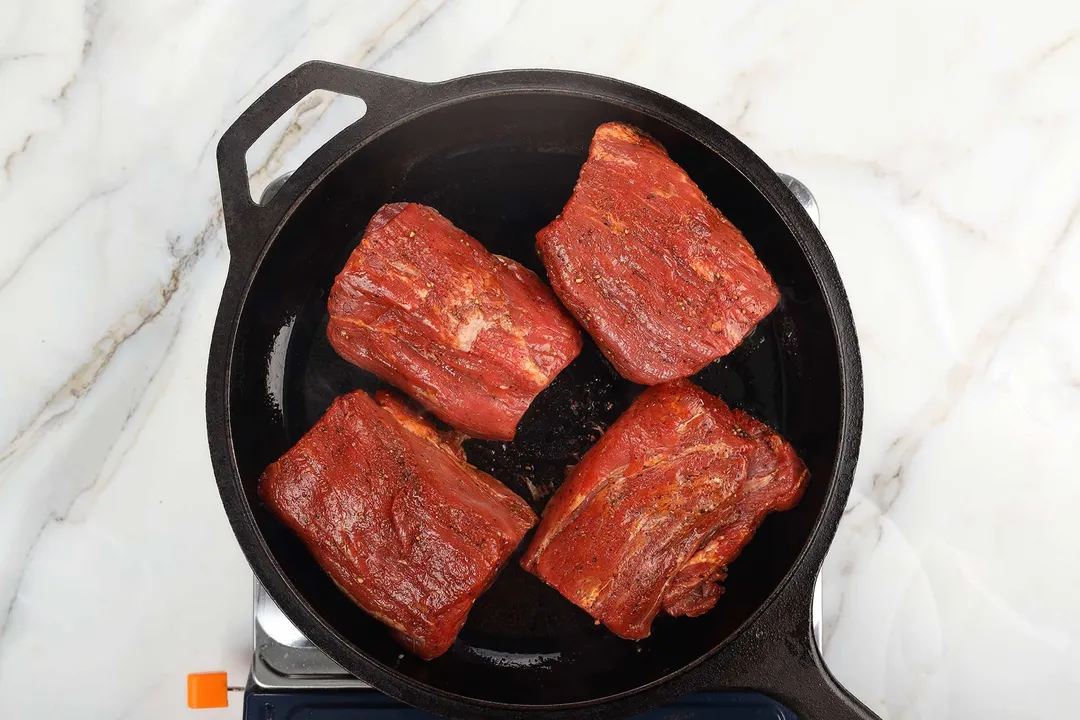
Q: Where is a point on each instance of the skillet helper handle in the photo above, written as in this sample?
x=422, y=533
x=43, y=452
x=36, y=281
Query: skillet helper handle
x=248, y=224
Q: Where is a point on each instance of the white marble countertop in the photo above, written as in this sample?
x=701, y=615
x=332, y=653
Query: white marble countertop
x=943, y=144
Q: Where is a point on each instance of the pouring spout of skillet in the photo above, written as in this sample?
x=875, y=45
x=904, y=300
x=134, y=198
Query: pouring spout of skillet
x=499, y=155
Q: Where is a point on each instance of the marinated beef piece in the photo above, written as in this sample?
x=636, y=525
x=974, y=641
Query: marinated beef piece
x=656, y=510
x=472, y=336
x=396, y=516
x=662, y=281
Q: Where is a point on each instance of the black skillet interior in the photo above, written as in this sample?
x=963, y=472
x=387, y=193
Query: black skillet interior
x=501, y=168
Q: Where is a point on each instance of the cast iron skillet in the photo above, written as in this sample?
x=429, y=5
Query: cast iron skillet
x=498, y=155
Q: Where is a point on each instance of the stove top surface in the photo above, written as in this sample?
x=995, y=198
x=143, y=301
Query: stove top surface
x=292, y=678
x=286, y=660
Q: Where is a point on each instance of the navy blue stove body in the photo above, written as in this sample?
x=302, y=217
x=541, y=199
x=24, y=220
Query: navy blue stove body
x=261, y=704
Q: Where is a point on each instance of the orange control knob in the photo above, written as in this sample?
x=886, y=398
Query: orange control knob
x=207, y=690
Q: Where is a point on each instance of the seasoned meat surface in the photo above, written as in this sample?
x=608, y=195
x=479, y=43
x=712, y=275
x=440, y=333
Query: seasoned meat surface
x=656, y=510
x=662, y=281
x=396, y=516
x=472, y=336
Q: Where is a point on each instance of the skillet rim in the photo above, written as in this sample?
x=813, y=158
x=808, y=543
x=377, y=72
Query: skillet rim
x=430, y=97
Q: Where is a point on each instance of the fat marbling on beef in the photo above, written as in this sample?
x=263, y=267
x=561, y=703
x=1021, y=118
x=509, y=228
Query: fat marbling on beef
x=657, y=509
x=395, y=515
x=472, y=336
x=662, y=281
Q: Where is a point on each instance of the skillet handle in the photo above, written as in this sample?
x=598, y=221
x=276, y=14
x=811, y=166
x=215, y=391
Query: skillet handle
x=780, y=658
x=248, y=224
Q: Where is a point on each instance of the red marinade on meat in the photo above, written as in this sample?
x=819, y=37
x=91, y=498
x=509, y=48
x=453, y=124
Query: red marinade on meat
x=661, y=280
x=472, y=336
x=657, y=509
x=396, y=517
